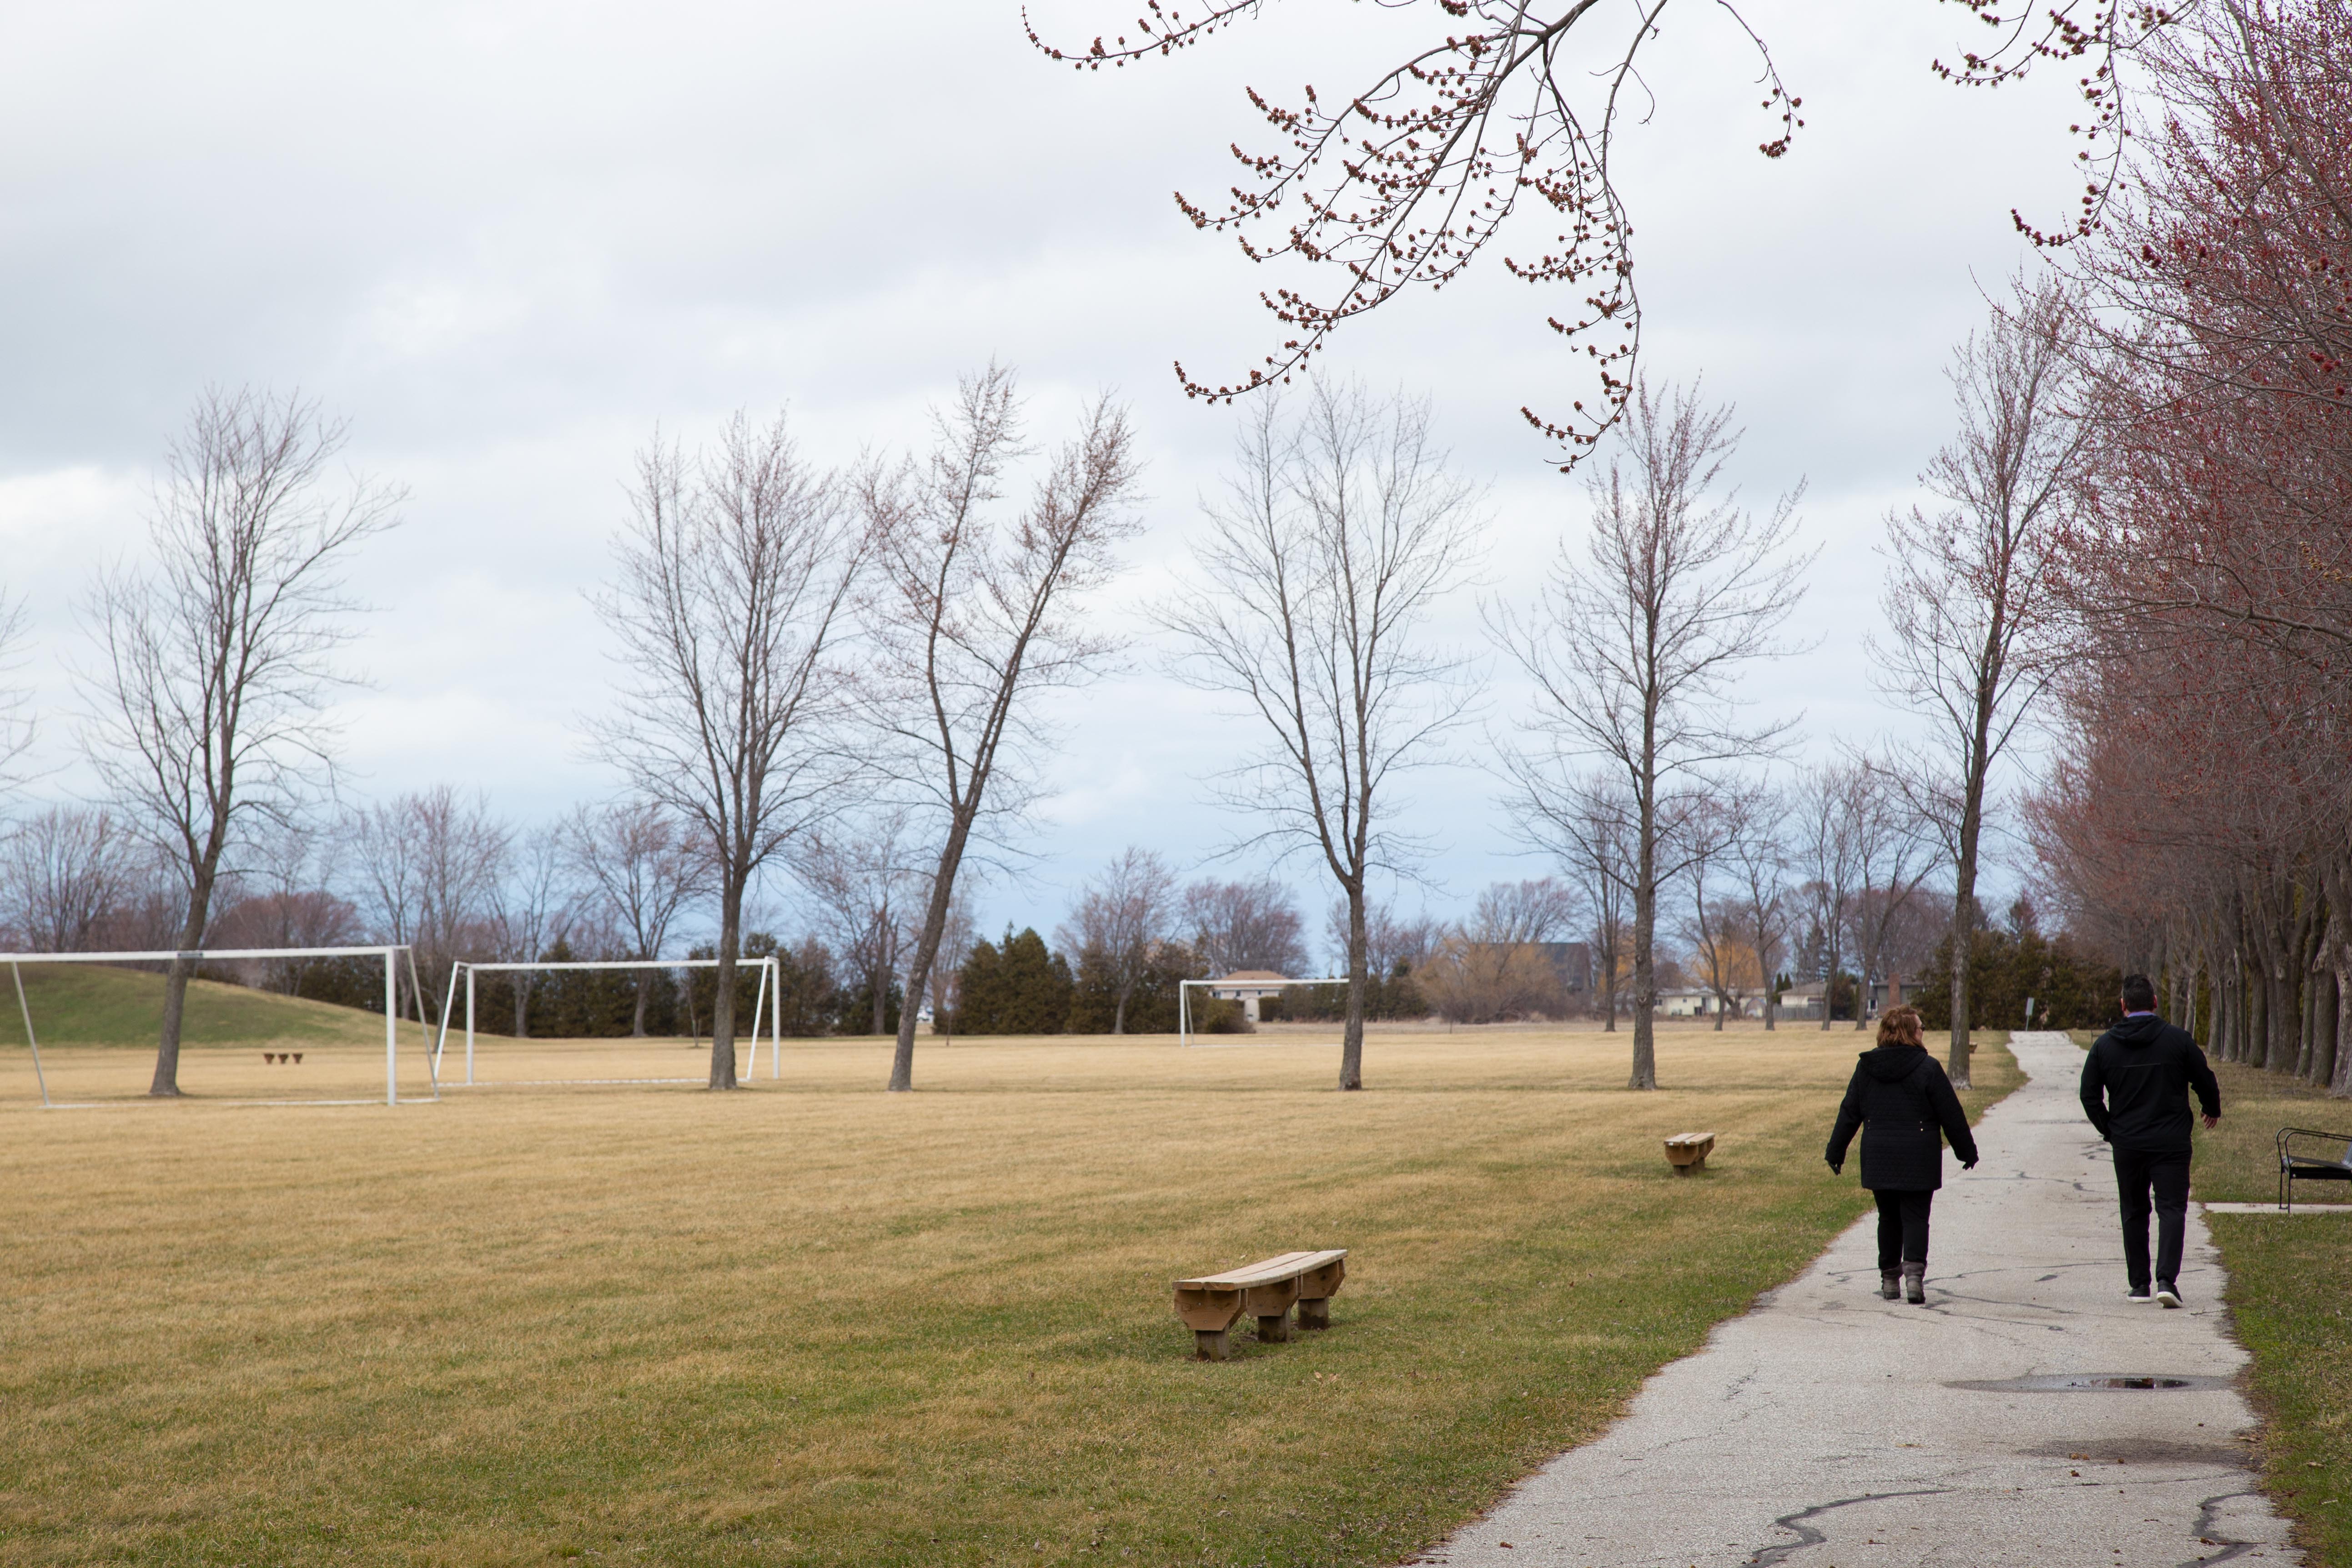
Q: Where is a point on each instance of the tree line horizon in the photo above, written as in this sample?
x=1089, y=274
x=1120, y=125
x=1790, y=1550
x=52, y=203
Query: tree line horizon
x=2134, y=559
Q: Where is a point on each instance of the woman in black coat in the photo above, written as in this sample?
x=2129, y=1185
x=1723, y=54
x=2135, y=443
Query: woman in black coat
x=1904, y=1107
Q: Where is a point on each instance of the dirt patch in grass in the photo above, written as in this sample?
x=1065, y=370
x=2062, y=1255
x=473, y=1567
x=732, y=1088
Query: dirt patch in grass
x=812, y=1323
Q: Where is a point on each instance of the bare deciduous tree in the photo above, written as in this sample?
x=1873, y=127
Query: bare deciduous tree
x=1710, y=845
x=288, y=901
x=1636, y=644
x=1970, y=604
x=1893, y=854
x=1120, y=916
x=978, y=614
x=217, y=662
x=1498, y=965
x=429, y=869
x=635, y=861
x=1830, y=804
x=1339, y=537
x=532, y=907
x=1244, y=925
x=1389, y=939
x=16, y=718
x=735, y=572
x=863, y=879
x=1586, y=823
x=62, y=872
x=1758, y=865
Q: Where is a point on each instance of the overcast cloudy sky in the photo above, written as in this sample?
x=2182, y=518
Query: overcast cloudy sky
x=504, y=241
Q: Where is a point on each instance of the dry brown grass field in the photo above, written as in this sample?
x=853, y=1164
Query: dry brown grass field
x=813, y=1323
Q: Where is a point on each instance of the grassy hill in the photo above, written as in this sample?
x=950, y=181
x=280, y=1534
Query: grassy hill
x=96, y=1005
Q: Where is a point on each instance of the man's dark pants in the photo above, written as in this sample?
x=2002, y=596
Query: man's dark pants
x=2137, y=1171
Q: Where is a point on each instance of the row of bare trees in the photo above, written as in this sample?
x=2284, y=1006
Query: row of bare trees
x=794, y=642
x=834, y=675
x=2198, y=818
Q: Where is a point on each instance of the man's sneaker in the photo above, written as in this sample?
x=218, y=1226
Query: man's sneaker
x=2138, y=1296
x=2169, y=1294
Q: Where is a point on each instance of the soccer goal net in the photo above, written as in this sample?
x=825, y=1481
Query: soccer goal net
x=242, y=1069
x=625, y=1057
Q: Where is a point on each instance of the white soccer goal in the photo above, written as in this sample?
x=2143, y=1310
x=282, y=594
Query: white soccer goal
x=768, y=1003
x=392, y=956
x=1184, y=989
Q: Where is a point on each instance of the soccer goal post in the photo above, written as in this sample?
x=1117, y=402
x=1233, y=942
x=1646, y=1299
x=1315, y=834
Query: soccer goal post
x=393, y=958
x=768, y=1001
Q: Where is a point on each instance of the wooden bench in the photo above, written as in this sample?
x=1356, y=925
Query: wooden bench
x=1266, y=1290
x=1687, y=1152
x=2294, y=1165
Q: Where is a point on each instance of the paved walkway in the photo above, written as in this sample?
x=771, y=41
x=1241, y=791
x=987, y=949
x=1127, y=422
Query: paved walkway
x=1828, y=1427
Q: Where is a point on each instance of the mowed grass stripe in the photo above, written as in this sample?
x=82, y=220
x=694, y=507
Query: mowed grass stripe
x=824, y=1325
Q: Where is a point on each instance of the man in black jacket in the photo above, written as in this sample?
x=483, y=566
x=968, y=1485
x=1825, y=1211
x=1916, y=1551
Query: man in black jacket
x=2136, y=1088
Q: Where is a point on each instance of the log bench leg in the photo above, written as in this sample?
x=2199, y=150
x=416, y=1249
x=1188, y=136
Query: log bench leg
x=1275, y=1330
x=1209, y=1344
x=1314, y=1313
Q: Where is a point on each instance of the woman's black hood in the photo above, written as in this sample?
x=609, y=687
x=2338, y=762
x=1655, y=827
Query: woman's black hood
x=1893, y=1064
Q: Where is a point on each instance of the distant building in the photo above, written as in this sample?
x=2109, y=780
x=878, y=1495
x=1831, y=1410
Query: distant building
x=1698, y=1001
x=1247, y=987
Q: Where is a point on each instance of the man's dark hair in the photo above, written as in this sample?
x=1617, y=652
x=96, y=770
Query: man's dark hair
x=2139, y=993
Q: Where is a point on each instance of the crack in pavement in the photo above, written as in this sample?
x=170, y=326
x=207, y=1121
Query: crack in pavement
x=1808, y=1536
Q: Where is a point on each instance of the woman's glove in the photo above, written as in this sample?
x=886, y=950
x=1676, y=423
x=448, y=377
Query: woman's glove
x=1837, y=1167
x=1968, y=1164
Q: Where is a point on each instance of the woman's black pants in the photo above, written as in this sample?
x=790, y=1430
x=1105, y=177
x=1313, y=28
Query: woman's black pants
x=1902, y=1228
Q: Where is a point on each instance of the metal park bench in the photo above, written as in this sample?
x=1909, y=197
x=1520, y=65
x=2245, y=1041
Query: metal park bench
x=2297, y=1167
x=1266, y=1290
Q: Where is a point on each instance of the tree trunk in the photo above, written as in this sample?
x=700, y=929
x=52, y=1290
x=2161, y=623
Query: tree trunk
x=1645, y=973
x=645, y=987
x=881, y=982
x=2341, y=1080
x=1829, y=986
x=927, y=949
x=521, y=980
x=1964, y=946
x=1351, y=1040
x=166, y=1082
x=1771, y=1009
x=2327, y=1037
x=2256, y=1019
x=1118, y=1010
x=722, y=1001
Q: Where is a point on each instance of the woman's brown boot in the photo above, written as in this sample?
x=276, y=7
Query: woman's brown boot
x=1915, y=1284
x=1890, y=1284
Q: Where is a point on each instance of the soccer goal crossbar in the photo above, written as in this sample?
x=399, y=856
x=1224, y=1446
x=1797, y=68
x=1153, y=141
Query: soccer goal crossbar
x=768, y=1002
x=392, y=957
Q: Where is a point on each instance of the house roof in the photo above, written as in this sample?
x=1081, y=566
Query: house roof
x=1252, y=975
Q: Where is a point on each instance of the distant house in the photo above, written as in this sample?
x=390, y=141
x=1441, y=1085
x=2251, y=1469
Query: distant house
x=1801, y=1001
x=1698, y=1001
x=1805, y=1001
x=1247, y=987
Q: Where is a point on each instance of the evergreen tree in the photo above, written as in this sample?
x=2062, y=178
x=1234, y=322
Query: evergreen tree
x=1015, y=988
